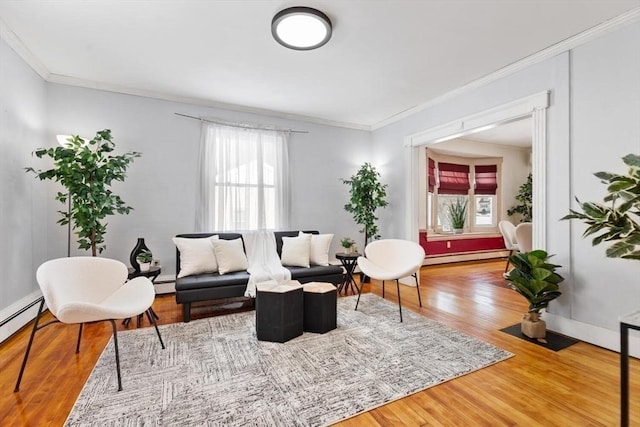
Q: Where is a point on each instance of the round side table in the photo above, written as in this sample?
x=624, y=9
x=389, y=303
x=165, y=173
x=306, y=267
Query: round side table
x=349, y=262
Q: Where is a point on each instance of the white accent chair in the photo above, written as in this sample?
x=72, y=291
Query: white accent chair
x=90, y=289
x=392, y=259
x=508, y=231
x=524, y=236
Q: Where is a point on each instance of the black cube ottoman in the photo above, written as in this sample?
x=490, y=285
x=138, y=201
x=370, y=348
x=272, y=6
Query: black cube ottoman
x=279, y=311
x=320, y=307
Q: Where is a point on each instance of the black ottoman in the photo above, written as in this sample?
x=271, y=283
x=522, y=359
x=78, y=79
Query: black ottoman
x=320, y=303
x=279, y=315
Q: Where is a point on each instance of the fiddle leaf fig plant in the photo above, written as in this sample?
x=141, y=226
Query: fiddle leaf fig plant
x=618, y=218
x=367, y=194
x=87, y=170
x=525, y=199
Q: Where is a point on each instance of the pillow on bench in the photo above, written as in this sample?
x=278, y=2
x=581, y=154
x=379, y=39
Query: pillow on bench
x=296, y=250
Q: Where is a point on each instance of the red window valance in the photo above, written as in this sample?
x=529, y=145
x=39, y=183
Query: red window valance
x=486, y=179
x=454, y=179
x=432, y=175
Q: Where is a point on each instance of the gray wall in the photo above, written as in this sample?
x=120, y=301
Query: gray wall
x=593, y=121
x=23, y=224
x=161, y=185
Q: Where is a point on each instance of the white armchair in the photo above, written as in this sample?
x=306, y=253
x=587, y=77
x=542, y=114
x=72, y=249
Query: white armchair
x=90, y=289
x=392, y=259
x=524, y=236
x=508, y=231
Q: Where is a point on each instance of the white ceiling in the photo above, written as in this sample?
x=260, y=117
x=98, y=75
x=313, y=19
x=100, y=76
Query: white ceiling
x=385, y=57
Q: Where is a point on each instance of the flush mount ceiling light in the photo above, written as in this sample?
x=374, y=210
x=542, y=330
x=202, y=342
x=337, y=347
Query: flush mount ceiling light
x=301, y=28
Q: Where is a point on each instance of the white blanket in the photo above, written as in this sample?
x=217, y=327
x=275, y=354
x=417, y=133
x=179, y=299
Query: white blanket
x=264, y=263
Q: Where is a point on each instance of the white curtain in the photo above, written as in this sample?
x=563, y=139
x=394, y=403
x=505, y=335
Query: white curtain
x=244, y=179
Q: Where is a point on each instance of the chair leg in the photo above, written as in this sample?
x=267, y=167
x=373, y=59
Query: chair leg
x=383, y=289
x=79, y=337
x=115, y=344
x=508, y=256
x=153, y=320
x=415, y=276
x=28, y=350
x=399, y=303
x=359, y=293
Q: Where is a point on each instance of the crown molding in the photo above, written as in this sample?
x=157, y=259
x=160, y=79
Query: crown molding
x=16, y=44
x=572, y=42
x=74, y=81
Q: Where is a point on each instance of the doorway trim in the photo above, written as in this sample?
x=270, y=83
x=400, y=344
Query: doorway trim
x=534, y=106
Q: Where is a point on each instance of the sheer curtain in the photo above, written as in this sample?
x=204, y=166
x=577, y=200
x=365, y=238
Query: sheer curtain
x=244, y=179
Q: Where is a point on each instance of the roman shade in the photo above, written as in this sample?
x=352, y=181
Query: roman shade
x=454, y=179
x=431, y=179
x=486, y=179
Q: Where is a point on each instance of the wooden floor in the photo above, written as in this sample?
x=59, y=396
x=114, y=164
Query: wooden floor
x=578, y=386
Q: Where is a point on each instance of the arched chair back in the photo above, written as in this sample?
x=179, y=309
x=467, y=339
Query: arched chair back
x=90, y=289
x=392, y=259
x=508, y=231
x=524, y=236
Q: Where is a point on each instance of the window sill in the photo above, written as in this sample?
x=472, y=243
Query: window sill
x=435, y=237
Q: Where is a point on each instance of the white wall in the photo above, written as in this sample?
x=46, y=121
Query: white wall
x=161, y=185
x=593, y=120
x=605, y=126
x=23, y=231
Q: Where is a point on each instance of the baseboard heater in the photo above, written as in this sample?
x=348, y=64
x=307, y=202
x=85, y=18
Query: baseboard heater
x=19, y=312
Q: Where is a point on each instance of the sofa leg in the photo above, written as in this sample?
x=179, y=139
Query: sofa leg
x=186, y=312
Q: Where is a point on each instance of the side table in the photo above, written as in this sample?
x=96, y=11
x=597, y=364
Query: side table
x=349, y=262
x=152, y=274
x=629, y=321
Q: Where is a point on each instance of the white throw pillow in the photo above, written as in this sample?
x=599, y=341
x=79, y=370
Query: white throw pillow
x=230, y=255
x=296, y=250
x=319, y=252
x=196, y=255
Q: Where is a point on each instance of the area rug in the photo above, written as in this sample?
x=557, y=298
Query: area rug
x=215, y=372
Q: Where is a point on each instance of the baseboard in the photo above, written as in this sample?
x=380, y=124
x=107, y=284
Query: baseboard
x=15, y=324
x=472, y=256
x=592, y=334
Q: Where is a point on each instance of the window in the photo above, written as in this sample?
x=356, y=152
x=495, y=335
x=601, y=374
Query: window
x=243, y=179
x=453, y=181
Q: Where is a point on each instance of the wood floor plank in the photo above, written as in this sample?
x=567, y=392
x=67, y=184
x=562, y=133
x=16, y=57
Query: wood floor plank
x=578, y=386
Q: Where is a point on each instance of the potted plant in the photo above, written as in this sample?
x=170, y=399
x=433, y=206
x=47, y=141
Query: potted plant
x=617, y=219
x=457, y=212
x=87, y=169
x=144, y=258
x=535, y=279
x=367, y=194
x=347, y=243
x=525, y=197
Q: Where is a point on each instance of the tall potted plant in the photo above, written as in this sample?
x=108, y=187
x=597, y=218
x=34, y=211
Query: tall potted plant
x=525, y=199
x=87, y=169
x=534, y=278
x=367, y=194
x=618, y=219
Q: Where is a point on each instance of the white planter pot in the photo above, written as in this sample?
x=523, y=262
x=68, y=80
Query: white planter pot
x=145, y=266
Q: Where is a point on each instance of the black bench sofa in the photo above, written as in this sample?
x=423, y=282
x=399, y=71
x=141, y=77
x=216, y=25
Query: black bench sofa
x=212, y=286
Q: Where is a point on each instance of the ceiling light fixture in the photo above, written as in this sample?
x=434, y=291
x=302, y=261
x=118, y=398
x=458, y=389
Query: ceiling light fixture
x=301, y=28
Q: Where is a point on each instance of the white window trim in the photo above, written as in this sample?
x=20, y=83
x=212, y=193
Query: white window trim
x=471, y=228
x=534, y=106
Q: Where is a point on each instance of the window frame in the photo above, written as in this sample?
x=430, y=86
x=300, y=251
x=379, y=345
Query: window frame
x=470, y=227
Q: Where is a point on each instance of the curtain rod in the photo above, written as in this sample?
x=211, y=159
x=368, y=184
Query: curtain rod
x=222, y=122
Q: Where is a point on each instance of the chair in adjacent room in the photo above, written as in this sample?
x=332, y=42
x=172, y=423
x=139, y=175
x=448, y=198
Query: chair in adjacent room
x=392, y=259
x=508, y=231
x=90, y=289
x=524, y=236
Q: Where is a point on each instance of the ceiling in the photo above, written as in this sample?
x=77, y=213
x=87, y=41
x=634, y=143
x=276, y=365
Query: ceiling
x=385, y=57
